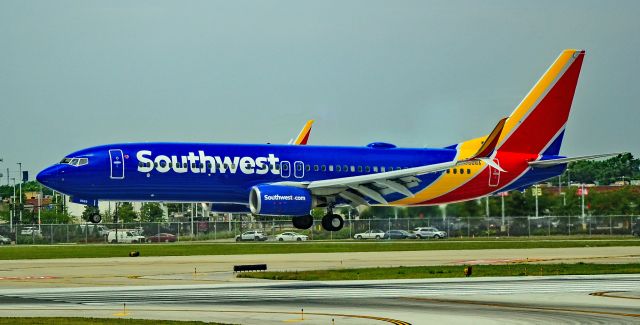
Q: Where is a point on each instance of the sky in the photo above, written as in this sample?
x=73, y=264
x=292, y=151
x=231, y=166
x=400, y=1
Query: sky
x=75, y=74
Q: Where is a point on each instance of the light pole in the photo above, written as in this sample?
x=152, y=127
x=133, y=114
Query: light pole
x=13, y=206
x=20, y=175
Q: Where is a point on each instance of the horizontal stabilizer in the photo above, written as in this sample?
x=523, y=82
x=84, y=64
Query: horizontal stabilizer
x=560, y=161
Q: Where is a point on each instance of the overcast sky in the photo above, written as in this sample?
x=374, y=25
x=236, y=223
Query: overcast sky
x=74, y=74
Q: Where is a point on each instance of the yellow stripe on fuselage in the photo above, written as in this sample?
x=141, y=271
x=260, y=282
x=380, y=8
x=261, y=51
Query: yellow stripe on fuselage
x=534, y=94
x=448, y=182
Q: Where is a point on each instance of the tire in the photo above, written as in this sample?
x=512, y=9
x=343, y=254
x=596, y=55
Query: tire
x=377, y=236
x=113, y=241
x=436, y=237
x=166, y=240
x=298, y=239
x=134, y=241
x=280, y=239
x=238, y=239
x=304, y=222
x=332, y=222
x=359, y=237
x=419, y=236
x=256, y=238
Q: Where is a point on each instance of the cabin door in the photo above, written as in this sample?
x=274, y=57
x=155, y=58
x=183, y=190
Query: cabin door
x=117, y=163
x=298, y=169
x=494, y=175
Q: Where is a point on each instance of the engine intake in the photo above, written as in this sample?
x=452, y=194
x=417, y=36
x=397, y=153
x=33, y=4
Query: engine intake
x=280, y=200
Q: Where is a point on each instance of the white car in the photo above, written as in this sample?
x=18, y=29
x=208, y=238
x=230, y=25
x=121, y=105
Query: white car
x=124, y=236
x=291, y=236
x=256, y=235
x=370, y=234
x=429, y=232
x=30, y=231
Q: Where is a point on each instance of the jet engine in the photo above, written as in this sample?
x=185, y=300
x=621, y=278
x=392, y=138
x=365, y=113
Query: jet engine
x=280, y=200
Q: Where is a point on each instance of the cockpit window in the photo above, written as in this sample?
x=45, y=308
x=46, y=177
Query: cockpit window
x=75, y=161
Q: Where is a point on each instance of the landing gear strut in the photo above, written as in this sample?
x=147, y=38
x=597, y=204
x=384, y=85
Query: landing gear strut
x=304, y=222
x=95, y=218
x=332, y=222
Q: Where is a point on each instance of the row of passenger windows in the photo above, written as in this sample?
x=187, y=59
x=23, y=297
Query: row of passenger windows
x=458, y=171
x=324, y=168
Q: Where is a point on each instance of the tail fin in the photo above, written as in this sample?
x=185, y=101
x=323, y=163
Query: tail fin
x=537, y=124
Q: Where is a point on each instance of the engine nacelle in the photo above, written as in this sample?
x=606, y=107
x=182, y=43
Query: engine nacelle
x=280, y=200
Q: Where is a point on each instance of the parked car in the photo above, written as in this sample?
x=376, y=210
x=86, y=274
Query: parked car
x=636, y=229
x=399, y=234
x=429, y=232
x=291, y=236
x=30, y=231
x=4, y=240
x=370, y=234
x=101, y=229
x=162, y=237
x=255, y=235
x=125, y=236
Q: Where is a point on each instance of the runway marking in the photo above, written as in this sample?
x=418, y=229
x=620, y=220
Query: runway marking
x=531, y=260
x=382, y=319
x=42, y=277
x=524, y=307
x=609, y=295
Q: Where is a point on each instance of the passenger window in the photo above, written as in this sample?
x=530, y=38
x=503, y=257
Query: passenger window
x=338, y=168
x=468, y=171
x=345, y=168
x=390, y=168
x=448, y=171
x=367, y=169
x=316, y=168
x=455, y=171
x=324, y=168
x=359, y=169
x=375, y=169
x=353, y=169
x=308, y=168
x=382, y=169
x=330, y=168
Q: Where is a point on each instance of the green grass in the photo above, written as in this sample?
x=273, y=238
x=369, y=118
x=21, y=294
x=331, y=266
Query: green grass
x=448, y=271
x=190, y=249
x=82, y=321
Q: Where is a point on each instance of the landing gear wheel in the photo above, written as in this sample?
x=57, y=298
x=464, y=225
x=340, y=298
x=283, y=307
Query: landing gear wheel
x=304, y=222
x=95, y=218
x=332, y=222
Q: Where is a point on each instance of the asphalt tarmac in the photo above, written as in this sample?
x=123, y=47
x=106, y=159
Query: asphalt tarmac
x=203, y=288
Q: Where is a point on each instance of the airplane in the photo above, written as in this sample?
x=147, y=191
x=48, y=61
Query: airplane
x=290, y=180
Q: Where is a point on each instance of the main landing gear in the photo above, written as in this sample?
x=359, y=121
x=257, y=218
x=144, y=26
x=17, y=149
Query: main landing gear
x=304, y=222
x=330, y=221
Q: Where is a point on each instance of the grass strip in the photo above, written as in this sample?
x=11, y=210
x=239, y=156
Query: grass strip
x=90, y=321
x=448, y=271
x=191, y=249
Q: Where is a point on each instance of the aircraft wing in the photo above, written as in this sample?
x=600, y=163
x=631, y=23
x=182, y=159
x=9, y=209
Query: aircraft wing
x=560, y=161
x=374, y=186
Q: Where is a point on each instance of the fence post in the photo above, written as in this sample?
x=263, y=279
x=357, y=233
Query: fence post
x=610, y=227
x=468, y=227
x=51, y=232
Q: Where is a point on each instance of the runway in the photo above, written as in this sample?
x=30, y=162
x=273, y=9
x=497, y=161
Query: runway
x=558, y=299
x=177, y=270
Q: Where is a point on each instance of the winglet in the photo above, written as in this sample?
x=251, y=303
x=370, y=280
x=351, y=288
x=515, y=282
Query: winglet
x=490, y=142
x=303, y=136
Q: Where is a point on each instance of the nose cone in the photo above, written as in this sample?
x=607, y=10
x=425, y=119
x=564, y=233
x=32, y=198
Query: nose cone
x=48, y=176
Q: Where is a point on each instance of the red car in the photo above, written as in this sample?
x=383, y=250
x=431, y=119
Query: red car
x=162, y=237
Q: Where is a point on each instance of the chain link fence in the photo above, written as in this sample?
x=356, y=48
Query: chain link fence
x=455, y=227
